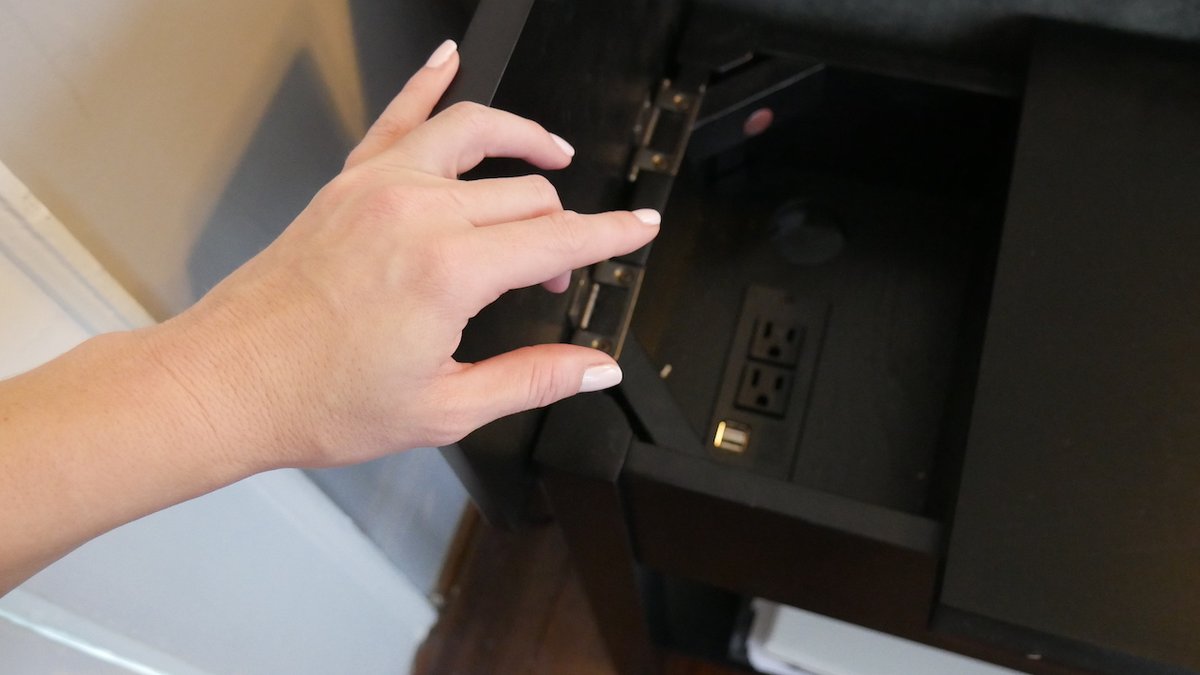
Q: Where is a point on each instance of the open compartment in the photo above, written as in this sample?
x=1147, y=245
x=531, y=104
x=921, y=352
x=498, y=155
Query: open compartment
x=865, y=222
x=822, y=286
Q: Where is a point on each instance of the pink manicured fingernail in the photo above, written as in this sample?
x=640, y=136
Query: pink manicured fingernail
x=600, y=377
x=442, y=54
x=563, y=145
x=648, y=216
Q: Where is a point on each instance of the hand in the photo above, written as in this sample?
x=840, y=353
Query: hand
x=335, y=344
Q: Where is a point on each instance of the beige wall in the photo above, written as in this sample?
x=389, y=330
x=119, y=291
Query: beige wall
x=130, y=118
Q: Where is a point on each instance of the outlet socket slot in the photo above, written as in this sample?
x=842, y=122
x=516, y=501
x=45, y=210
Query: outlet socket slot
x=778, y=338
x=764, y=389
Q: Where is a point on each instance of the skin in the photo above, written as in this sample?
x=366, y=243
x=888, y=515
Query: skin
x=333, y=346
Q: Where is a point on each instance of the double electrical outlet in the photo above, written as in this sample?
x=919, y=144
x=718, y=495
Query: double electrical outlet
x=769, y=372
x=760, y=406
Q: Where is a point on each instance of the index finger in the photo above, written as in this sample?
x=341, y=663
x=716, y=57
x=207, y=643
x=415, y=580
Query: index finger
x=525, y=253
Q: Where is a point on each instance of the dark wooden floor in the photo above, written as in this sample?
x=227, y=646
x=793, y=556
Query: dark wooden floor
x=516, y=608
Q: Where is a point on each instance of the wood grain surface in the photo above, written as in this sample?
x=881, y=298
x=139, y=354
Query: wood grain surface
x=517, y=608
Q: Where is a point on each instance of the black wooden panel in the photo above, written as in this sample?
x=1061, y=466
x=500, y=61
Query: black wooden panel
x=700, y=520
x=1078, y=526
x=693, y=519
x=582, y=69
x=581, y=452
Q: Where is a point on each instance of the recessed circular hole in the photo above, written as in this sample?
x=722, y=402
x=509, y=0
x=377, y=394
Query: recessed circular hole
x=806, y=234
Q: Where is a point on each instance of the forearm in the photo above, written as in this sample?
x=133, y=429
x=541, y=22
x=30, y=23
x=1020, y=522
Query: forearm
x=103, y=435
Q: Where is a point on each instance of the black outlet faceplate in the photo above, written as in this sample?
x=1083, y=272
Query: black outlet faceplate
x=767, y=379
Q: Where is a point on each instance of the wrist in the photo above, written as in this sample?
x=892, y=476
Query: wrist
x=212, y=390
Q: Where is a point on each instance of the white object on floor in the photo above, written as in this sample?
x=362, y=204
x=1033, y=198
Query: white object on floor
x=788, y=641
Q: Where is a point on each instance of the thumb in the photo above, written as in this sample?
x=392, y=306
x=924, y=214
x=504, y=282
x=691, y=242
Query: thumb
x=530, y=377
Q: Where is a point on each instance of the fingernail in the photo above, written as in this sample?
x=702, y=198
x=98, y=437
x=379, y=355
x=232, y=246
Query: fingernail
x=442, y=54
x=648, y=216
x=563, y=145
x=600, y=377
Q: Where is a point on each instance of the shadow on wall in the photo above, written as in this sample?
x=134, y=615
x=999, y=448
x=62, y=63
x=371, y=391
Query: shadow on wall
x=298, y=145
x=297, y=148
x=386, y=63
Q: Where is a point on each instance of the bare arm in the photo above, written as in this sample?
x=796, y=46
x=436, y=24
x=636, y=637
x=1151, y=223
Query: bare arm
x=332, y=346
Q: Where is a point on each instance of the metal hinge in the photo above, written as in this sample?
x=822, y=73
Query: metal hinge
x=605, y=294
x=602, y=305
x=667, y=120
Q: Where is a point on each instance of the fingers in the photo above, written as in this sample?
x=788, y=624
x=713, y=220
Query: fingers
x=527, y=378
x=558, y=284
x=460, y=137
x=412, y=105
x=520, y=254
x=503, y=200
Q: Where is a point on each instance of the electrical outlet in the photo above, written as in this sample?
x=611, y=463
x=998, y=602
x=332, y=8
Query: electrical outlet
x=768, y=376
x=778, y=337
x=764, y=389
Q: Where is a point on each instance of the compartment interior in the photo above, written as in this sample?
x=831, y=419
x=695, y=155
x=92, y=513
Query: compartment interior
x=882, y=202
